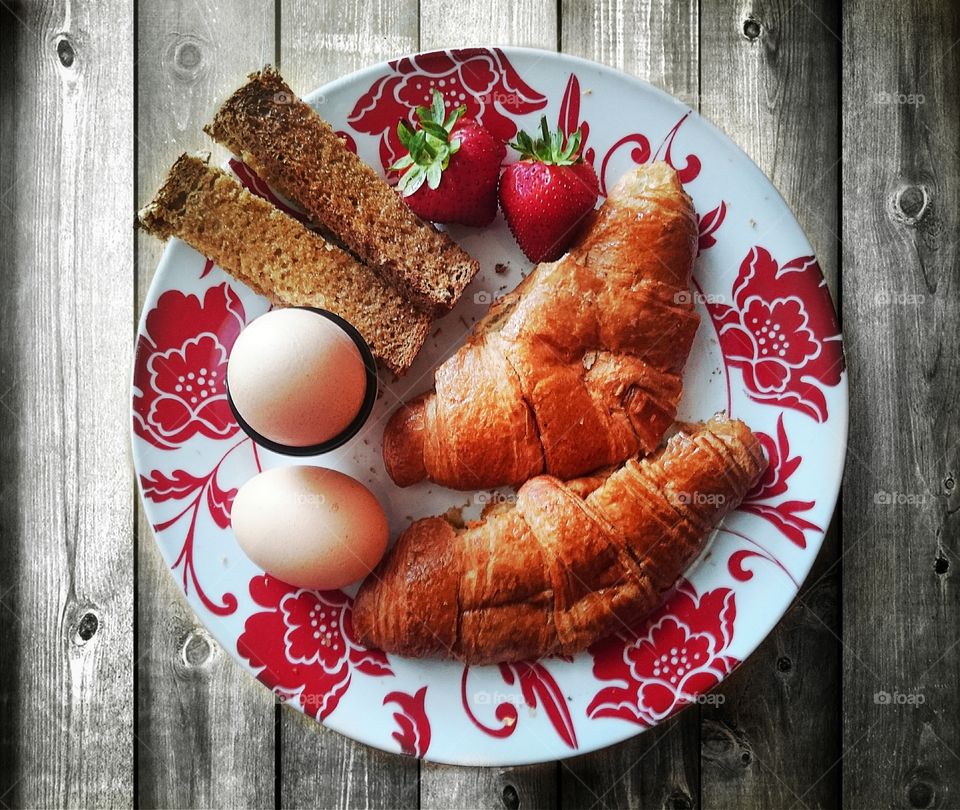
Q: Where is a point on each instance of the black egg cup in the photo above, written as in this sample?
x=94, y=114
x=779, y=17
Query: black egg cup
x=351, y=430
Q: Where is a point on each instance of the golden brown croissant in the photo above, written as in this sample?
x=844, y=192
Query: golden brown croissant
x=579, y=367
x=567, y=565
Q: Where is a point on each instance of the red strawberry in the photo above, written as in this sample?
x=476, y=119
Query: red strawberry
x=451, y=171
x=546, y=195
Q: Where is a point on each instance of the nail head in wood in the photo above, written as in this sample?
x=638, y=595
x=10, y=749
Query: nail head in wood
x=751, y=28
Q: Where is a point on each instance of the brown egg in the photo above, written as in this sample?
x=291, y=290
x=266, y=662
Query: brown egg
x=309, y=526
x=296, y=378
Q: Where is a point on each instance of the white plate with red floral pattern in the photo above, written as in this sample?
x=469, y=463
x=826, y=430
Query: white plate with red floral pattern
x=768, y=351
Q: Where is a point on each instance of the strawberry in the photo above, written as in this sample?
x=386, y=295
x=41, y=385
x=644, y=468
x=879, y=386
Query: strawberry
x=450, y=172
x=546, y=195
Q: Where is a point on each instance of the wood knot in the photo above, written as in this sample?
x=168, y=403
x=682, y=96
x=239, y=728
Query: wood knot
x=678, y=800
x=196, y=649
x=910, y=204
x=752, y=28
x=921, y=793
x=722, y=745
x=784, y=664
x=941, y=564
x=66, y=53
x=87, y=626
x=185, y=58
x=949, y=484
x=510, y=797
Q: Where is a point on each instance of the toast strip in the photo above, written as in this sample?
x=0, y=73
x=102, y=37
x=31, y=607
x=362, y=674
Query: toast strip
x=282, y=139
x=281, y=259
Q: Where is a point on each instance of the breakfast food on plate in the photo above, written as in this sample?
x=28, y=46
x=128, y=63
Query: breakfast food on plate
x=568, y=564
x=310, y=527
x=576, y=369
x=452, y=166
x=547, y=194
x=282, y=139
x=297, y=378
x=281, y=259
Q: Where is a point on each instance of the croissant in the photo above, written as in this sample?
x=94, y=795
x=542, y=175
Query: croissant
x=568, y=564
x=579, y=367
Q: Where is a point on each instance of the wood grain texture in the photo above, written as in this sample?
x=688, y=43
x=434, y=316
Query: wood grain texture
x=206, y=728
x=529, y=23
x=770, y=79
x=901, y=301
x=652, y=40
x=66, y=244
x=656, y=42
x=320, y=42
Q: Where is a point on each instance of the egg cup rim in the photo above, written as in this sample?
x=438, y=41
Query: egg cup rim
x=352, y=429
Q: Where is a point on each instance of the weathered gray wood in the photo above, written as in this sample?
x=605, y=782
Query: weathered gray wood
x=531, y=23
x=656, y=769
x=320, y=42
x=657, y=42
x=206, y=728
x=769, y=77
x=66, y=512
x=901, y=521
x=646, y=38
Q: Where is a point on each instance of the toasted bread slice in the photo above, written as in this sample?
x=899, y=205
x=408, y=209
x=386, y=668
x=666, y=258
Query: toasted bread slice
x=282, y=139
x=281, y=259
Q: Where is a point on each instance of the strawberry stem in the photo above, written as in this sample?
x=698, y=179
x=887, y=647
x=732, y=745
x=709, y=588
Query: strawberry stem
x=551, y=148
x=429, y=147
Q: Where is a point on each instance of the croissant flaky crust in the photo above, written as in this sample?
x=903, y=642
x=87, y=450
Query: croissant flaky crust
x=568, y=564
x=579, y=367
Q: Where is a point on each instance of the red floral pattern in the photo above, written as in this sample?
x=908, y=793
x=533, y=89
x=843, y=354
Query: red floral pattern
x=785, y=514
x=305, y=645
x=708, y=225
x=206, y=491
x=782, y=332
x=675, y=655
x=537, y=687
x=482, y=79
x=181, y=367
x=414, y=727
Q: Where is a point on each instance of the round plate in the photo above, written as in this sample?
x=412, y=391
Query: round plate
x=768, y=351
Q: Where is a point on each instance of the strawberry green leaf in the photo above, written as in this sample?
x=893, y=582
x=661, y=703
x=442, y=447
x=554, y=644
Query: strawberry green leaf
x=404, y=163
x=429, y=147
x=433, y=175
x=437, y=130
x=551, y=148
x=439, y=108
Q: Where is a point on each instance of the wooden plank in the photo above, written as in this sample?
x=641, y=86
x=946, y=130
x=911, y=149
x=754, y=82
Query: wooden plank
x=66, y=515
x=531, y=23
x=657, y=42
x=206, y=728
x=318, y=43
x=769, y=77
x=901, y=300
